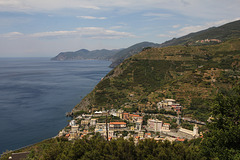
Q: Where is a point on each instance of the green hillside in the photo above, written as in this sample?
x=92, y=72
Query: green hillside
x=213, y=35
x=120, y=56
x=223, y=33
x=190, y=74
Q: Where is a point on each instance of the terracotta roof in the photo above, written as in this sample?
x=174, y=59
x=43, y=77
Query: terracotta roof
x=148, y=133
x=117, y=123
x=166, y=123
x=136, y=115
x=180, y=140
x=125, y=113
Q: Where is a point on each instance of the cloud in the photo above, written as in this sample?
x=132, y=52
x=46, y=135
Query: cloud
x=12, y=35
x=84, y=32
x=44, y=5
x=176, y=26
x=159, y=15
x=91, y=17
x=116, y=27
x=56, y=34
x=210, y=10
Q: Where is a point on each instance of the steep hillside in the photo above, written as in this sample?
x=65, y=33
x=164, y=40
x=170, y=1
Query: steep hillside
x=222, y=33
x=86, y=54
x=128, y=52
x=212, y=35
x=190, y=74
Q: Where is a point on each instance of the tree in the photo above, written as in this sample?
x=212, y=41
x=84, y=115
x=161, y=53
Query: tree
x=223, y=139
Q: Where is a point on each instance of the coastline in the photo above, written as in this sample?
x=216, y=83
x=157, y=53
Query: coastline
x=82, y=80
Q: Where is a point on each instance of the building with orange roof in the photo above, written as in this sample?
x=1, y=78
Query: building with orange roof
x=135, y=118
x=180, y=139
x=67, y=135
x=166, y=127
x=148, y=135
x=117, y=125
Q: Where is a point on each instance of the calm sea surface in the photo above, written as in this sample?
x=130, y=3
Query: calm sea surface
x=35, y=94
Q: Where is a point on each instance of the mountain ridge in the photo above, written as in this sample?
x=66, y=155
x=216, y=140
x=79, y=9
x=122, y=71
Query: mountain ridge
x=102, y=54
x=220, y=34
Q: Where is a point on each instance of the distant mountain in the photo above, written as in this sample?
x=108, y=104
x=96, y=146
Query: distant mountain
x=222, y=33
x=212, y=35
x=86, y=54
x=128, y=52
x=116, y=56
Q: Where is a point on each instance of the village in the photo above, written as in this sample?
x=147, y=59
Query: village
x=114, y=124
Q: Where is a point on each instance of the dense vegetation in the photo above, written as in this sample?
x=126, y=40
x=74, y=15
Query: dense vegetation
x=192, y=75
x=128, y=52
x=220, y=142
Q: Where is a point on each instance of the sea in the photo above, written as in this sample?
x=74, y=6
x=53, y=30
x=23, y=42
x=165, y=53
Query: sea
x=35, y=94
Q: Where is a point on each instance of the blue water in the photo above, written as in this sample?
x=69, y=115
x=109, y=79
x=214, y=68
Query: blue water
x=35, y=94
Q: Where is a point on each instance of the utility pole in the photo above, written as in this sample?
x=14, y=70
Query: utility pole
x=106, y=128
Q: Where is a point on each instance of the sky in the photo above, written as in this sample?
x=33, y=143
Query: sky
x=44, y=28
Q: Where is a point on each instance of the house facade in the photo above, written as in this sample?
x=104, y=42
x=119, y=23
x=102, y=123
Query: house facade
x=117, y=125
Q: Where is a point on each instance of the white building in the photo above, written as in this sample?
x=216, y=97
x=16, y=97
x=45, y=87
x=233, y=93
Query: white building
x=155, y=125
x=93, y=122
x=170, y=101
x=74, y=128
x=72, y=123
x=193, y=133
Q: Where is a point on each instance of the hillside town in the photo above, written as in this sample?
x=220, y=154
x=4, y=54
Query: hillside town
x=115, y=123
x=208, y=41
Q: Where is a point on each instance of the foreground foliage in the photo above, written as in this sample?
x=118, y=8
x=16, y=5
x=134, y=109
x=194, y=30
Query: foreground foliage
x=223, y=138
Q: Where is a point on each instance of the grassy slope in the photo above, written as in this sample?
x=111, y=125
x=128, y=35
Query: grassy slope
x=192, y=75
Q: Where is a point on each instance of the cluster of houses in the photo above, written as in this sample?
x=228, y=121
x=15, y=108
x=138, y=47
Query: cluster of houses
x=169, y=105
x=132, y=124
x=208, y=40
